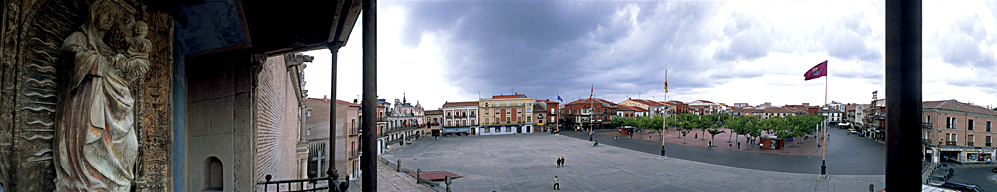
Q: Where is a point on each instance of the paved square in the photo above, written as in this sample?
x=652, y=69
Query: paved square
x=526, y=162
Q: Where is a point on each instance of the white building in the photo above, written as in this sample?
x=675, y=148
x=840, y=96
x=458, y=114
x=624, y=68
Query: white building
x=460, y=117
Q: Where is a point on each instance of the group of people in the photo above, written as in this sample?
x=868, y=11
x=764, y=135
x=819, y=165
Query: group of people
x=560, y=163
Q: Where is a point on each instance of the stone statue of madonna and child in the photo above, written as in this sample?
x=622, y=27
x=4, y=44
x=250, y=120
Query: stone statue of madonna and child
x=95, y=133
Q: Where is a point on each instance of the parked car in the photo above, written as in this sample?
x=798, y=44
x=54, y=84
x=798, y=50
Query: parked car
x=994, y=170
x=943, y=172
x=853, y=131
x=936, y=181
x=962, y=187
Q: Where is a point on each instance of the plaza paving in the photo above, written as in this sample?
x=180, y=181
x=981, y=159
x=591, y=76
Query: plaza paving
x=526, y=163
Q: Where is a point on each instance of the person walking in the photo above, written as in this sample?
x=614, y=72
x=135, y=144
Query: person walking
x=562, y=161
x=709, y=145
x=557, y=186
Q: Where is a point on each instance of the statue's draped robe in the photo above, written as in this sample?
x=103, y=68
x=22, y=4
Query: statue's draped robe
x=96, y=139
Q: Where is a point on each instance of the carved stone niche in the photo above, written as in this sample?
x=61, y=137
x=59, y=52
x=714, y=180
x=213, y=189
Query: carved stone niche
x=36, y=79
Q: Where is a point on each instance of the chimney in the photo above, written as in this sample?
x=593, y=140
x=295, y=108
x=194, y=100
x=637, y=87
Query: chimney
x=325, y=98
x=354, y=101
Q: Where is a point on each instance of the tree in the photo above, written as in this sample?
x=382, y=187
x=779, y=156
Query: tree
x=713, y=134
x=684, y=133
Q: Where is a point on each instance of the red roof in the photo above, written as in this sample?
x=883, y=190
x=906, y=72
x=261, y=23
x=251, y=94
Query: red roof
x=508, y=96
x=460, y=104
x=957, y=106
x=629, y=108
x=339, y=102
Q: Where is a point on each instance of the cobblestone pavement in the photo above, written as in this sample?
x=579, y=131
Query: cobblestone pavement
x=526, y=163
x=846, y=154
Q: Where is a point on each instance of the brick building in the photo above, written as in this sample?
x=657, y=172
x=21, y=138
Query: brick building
x=589, y=113
x=347, y=136
x=958, y=132
x=551, y=108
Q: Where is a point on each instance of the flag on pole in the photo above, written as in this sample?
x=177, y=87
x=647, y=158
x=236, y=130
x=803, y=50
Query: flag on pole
x=559, y=98
x=666, y=81
x=592, y=92
x=817, y=71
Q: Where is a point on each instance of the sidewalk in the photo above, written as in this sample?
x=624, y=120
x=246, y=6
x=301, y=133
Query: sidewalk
x=390, y=180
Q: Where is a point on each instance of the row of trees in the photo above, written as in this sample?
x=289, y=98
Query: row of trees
x=750, y=127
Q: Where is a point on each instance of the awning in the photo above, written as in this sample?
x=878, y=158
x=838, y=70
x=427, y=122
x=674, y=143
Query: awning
x=971, y=149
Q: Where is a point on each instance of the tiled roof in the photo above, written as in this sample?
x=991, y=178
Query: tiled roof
x=341, y=102
x=704, y=101
x=604, y=102
x=460, y=104
x=508, y=96
x=957, y=106
x=627, y=108
x=776, y=110
x=648, y=102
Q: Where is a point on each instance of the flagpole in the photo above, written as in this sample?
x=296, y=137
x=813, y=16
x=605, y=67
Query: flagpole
x=823, y=158
x=664, y=122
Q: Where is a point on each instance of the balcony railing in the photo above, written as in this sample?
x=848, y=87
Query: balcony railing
x=969, y=143
x=950, y=143
x=925, y=124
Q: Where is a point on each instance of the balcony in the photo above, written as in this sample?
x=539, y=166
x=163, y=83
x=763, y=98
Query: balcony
x=950, y=143
x=925, y=124
x=969, y=144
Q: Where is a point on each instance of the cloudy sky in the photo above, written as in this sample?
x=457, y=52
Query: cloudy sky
x=731, y=52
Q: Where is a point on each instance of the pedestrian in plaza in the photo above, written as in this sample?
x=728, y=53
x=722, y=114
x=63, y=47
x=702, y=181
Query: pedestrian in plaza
x=596, y=143
x=562, y=161
x=557, y=186
x=738, y=145
x=709, y=145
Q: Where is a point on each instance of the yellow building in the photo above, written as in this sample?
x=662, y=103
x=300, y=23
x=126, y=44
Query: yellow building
x=506, y=114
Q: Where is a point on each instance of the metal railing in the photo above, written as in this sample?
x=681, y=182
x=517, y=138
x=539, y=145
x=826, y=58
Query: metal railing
x=925, y=124
x=970, y=143
x=950, y=143
x=302, y=184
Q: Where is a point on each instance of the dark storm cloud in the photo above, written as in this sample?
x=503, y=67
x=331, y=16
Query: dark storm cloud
x=547, y=47
x=544, y=48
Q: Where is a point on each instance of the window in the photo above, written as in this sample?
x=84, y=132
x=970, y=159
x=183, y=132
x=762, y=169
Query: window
x=528, y=109
x=970, y=125
x=213, y=174
x=519, y=103
x=472, y=113
x=448, y=115
x=508, y=129
x=528, y=120
x=497, y=130
x=488, y=130
x=988, y=141
x=989, y=125
x=309, y=113
x=486, y=104
x=970, y=140
x=927, y=119
x=507, y=103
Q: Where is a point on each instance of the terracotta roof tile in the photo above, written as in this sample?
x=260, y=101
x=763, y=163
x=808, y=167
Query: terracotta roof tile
x=460, y=104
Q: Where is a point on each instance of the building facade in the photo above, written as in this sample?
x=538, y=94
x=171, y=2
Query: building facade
x=434, y=119
x=506, y=114
x=347, y=157
x=460, y=118
x=551, y=119
x=403, y=123
x=588, y=114
x=958, y=132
